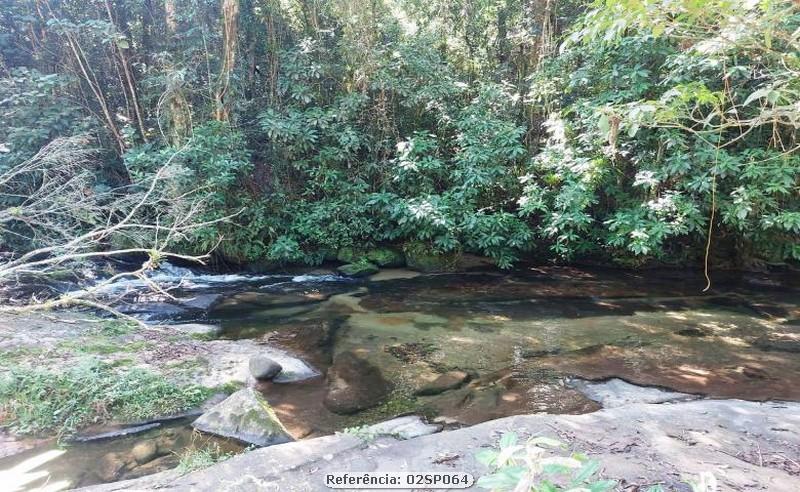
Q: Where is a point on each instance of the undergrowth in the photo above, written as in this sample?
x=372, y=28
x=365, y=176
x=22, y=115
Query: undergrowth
x=39, y=401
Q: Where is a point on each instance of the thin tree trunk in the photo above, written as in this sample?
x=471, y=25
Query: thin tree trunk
x=230, y=35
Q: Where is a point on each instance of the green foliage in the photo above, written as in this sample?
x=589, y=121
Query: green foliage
x=538, y=466
x=531, y=467
x=35, y=401
x=426, y=258
x=457, y=125
x=386, y=257
x=197, y=458
x=35, y=109
x=213, y=161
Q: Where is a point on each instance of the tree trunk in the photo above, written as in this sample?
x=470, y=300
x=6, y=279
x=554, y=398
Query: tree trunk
x=230, y=36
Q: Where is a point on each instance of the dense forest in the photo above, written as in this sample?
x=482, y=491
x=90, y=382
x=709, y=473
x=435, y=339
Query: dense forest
x=620, y=131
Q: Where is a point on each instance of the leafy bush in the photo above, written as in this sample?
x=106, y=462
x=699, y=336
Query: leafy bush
x=654, y=126
x=535, y=466
x=529, y=467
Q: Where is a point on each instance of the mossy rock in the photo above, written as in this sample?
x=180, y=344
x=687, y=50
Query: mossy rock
x=245, y=416
x=422, y=258
x=360, y=269
x=386, y=257
x=349, y=255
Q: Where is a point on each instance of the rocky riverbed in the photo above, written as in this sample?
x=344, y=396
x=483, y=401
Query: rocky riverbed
x=322, y=353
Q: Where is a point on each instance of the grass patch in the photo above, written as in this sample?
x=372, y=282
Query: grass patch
x=104, y=346
x=39, y=401
x=229, y=388
x=398, y=403
x=114, y=327
x=17, y=355
x=198, y=458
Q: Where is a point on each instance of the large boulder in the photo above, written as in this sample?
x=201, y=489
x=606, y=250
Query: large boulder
x=246, y=416
x=361, y=269
x=349, y=255
x=386, y=257
x=354, y=384
x=422, y=258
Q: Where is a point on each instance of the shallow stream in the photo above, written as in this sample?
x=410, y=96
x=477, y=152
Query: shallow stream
x=522, y=338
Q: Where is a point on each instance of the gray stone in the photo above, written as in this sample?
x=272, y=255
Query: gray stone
x=263, y=368
x=447, y=381
x=354, y=384
x=246, y=416
x=152, y=310
x=406, y=427
x=616, y=393
x=200, y=301
x=249, y=301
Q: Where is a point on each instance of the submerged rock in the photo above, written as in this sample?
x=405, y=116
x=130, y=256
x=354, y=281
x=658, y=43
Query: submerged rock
x=354, y=384
x=394, y=274
x=263, y=368
x=145, y=451
x=778, y=343
x=111, y=467
x=360, y=269
x=257, y=301
x=447, y=381
x=246, y=416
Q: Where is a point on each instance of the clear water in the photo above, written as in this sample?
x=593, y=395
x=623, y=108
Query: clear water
x=522, y=336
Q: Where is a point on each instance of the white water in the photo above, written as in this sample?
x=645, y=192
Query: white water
x=172, y=276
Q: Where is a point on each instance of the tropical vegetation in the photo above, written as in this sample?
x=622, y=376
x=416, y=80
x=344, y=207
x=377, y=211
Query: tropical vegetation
x=614, y=131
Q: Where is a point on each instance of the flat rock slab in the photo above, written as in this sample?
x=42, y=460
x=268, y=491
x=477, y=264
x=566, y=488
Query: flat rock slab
x=617, y=392
x=228, y=361
x=636, y=444
x=407, y=427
